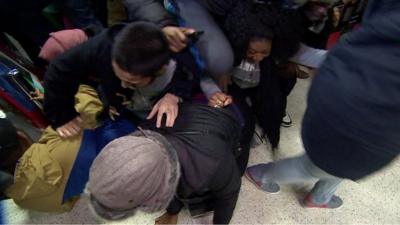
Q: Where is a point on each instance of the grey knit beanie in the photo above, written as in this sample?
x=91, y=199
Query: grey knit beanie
x=133, y=173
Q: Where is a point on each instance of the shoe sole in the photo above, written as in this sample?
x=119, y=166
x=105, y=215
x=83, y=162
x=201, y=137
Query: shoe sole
x=317, y=207
x=313, y=206
x=250, y=178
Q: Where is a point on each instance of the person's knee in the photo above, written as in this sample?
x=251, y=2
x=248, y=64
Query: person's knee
x=222, y=63
x=213, y=46
x=219, y=58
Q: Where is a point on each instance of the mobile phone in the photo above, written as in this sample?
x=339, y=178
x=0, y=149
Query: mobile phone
x=195, y=35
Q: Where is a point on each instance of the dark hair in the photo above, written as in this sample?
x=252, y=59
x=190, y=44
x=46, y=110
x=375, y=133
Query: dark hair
x=249, y=20
x=141, y=48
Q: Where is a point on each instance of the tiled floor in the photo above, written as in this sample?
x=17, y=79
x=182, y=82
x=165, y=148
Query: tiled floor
x=373, y=200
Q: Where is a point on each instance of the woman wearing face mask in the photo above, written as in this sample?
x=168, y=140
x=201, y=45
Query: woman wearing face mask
x=264, y=38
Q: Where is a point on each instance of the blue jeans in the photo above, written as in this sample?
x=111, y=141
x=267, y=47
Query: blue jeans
x=296, y=170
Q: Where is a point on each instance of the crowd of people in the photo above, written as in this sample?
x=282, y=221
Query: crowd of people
x=153, y=105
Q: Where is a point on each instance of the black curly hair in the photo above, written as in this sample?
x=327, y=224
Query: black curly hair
x=248, y=19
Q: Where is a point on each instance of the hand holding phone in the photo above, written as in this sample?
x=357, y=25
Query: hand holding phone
x=194, y=36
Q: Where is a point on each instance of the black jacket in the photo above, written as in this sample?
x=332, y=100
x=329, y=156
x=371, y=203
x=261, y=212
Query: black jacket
x=92, y=61
x=206, y=139
x=352, y=124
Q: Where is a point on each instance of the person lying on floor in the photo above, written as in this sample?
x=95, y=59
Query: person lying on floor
x=205, y=140
x=152, y=169
x=43, y=174
x=137, y=73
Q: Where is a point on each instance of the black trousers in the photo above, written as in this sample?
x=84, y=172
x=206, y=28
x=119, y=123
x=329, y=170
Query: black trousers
x=174, y=206
x=239, y=96
x=287, y=86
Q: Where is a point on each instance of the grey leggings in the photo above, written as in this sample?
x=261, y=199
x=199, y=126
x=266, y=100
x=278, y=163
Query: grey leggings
x=300, y=169
x=212, y=45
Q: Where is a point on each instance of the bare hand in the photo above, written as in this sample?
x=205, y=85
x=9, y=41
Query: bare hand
x=220, y=100
x=71, y=128
x=167, y=218
x=167, y=105
x=176, y=37
x=113, y=113
x=37, y=95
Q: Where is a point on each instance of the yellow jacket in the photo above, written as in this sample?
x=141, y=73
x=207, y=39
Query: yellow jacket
x=43, y=171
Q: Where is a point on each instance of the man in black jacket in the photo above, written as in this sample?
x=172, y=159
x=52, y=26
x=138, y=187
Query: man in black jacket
x=192, y=164
x=134, y=67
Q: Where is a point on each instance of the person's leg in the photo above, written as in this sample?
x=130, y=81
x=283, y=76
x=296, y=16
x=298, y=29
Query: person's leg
x=287, y=85
x=286, y=171
x=239, y=97
x=323, y=192
x=247, y=135
x=212, y=45
x=174, y=206
x=171, y=216
x=295, y=170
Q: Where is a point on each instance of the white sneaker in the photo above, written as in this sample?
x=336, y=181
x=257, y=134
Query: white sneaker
x=286, y=120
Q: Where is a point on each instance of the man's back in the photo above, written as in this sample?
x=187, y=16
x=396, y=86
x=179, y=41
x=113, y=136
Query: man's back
x=355, y=97
x=206, y=140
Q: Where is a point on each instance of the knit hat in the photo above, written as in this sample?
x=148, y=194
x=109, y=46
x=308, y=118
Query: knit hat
x=61, y=41
x=133, y=173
